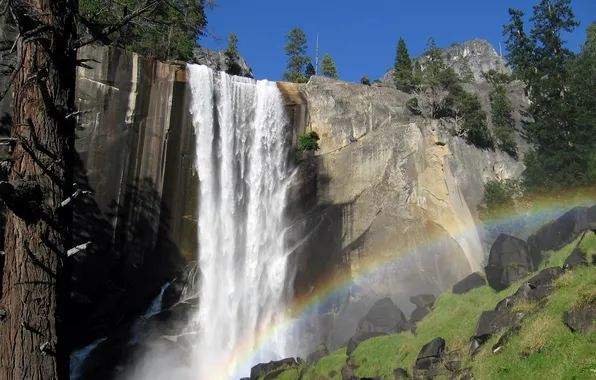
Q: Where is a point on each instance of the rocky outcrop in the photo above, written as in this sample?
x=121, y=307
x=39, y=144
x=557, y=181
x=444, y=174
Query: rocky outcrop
x=479, y=54
x=216, y=60
x=391, y=190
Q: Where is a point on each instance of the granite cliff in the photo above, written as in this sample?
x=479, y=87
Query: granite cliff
x=387, y=188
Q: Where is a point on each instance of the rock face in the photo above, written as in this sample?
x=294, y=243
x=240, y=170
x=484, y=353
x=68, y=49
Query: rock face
x=390, y=189
x=216, y=60
x=134, y=143
x=480, y=55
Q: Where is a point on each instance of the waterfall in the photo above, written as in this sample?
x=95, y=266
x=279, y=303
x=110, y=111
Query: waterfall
x=241, y=161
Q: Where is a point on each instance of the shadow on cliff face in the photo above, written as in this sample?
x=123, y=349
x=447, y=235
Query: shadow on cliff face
x=128, y=261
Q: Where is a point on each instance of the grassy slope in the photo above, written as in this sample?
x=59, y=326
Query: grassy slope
x=555, y=352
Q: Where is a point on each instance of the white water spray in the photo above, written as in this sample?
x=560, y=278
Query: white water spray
x=242, y=166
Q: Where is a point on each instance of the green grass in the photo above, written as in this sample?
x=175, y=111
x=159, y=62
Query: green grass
x=553, y=351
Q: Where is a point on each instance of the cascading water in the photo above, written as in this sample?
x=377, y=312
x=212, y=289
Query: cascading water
x=241, y=162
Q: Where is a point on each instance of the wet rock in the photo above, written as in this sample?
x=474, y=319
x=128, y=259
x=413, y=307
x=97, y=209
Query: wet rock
x=383, y=317
x=581, y=320
x=545, y=277
x=433, y=349
x=423, y=300
x=491, y=322
x=265, y=368
x=317, y=355
x=429, y=358
x=473, y=281
x=359, y=338
x=575, y=259
x=509, y=261
x=418, y=314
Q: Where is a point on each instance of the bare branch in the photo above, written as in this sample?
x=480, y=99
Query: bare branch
x=76, y=113
x=21, y=61
x=73, y=197
x=146, y=7
x=77, y=249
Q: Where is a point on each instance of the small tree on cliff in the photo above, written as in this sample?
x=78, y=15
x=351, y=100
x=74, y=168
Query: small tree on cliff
x=39, y=195
x=232, y=56
x=310, y=70
x=328, y=68
x=298, y=60
x=404, y=71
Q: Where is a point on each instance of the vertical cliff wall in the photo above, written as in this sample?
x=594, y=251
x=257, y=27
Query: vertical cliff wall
x=388, y=191
x=134, y=152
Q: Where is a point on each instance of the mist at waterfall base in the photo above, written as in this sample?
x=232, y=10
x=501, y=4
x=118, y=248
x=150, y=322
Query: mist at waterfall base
x=245, y=282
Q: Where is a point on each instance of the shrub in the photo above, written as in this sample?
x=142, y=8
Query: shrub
x=498, y=196
x=364, y=80
x=308, y=142
x=412, y=105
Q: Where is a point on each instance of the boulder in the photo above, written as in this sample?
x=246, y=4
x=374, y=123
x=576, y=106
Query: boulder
x=320, y=353
x=418, y=314
x=491, y=322
x=473, y=281
x=575, y=259
x=423, y=300
x=358, y=338
x=265, y=368
x=558, y=233
x=433, y=349
x=545, y=277
x=347, y=373
x=591, y=218
x=582, y=320
x=506, y=303
x=509, y=261
x=429, y=358
x=383, y=317
x=453, y=361
x=400, y=373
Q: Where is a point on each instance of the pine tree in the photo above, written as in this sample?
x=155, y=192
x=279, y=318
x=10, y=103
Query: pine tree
x=310, y=70
x=298, y=60
x=328, y=68
x=466, y=73
x=503, y=122
x=232, y=56
x=403, y=75
x=543, y=62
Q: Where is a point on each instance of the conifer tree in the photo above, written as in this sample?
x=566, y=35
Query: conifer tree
x=328, y=68
x=310, y=70
x=501, y=113
x=403, y=75
x=298, y=60
x=556, y=131
x=232, y=56
x=466, y=73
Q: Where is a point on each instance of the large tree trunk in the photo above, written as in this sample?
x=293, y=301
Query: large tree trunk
x=34, y=340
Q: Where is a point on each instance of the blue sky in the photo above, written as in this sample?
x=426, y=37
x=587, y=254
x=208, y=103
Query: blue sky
x=362, y=36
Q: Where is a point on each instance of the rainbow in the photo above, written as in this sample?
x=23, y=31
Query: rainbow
x=533, y=213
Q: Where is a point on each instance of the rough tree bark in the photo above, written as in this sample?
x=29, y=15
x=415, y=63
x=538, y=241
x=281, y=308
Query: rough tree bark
x=36, y=278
